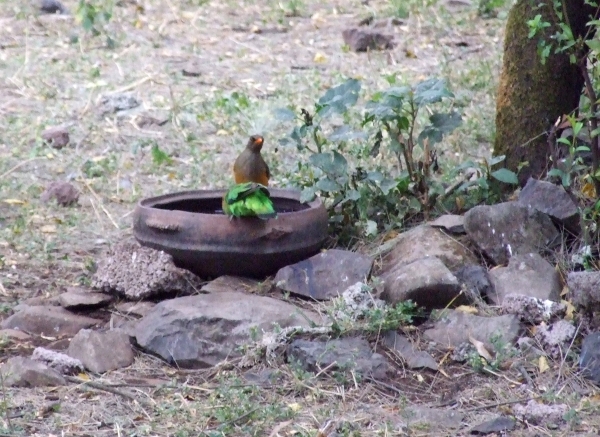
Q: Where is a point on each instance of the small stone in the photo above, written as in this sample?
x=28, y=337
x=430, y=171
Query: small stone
x=553, y=200
x=536, y=413
x=13, y=335
x=455, y=327
x=48, y=321
x=140, y=308
x=102, y=351
x=533, y=310
x=78, y=299
x=498, y=425
x=64, y=193
x=476, y=280
x=52, y=7
x=508, y=229
x=415, y=359
x=526, y=274
x=427, y=282
x=589, y=359
x=452, y=223
x=23, y=372
x=58, y=361
x=139, y=272
x=426, y=241
x=56, y=137
x=556, y=337
x=349, y=354
x=360, y=40
x=231, y=283
x=325, y=275
x=585, y=289
x=113, y=103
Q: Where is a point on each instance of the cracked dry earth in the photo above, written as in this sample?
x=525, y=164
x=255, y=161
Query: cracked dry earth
x=182, y=61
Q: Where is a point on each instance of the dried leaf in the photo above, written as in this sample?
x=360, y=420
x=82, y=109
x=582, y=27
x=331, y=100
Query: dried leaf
x=543, y=364
x=14, y=201
x=481, y=350
x=320, y=58
x=420, y=377
x=588, y=190
x=564, y=291
x=570, y=309
x=83, y=376
x=467, y=309
x=48, y=229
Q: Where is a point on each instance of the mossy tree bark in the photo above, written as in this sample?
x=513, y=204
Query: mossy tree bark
x=532, y=95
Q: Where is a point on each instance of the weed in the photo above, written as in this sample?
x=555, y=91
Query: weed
x=94, y=17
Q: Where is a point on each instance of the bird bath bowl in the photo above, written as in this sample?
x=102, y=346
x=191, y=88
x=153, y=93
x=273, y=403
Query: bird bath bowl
x=191, y=227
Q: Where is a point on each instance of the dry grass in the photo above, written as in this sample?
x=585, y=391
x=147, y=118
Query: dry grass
x=52, y=73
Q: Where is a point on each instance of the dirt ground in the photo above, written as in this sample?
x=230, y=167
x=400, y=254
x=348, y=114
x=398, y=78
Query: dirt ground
x=208, y=74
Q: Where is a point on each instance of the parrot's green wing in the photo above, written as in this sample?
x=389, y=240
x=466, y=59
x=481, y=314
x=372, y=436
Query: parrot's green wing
x=249, y=200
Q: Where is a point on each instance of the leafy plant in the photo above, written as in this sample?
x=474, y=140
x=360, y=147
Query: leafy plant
x=94, y=16
x=489, y=8
x=349, y=148
x=159, y=156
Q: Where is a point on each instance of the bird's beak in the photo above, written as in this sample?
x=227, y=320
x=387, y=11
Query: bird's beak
x=258, y=141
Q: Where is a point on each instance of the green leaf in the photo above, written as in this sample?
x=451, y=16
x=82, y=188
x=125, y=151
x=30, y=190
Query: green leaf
x=431, y=91
x=328, y=185
x=441, y=124
x=375, y=176
x=284, y=114
x=339, y=98
x=506, y=176
x=496, y=160
x=345, y=133
x=371, y=228
x=159, y=157
x=331, y=163
x=352, y=195
x=307, y=194
x=387, y=185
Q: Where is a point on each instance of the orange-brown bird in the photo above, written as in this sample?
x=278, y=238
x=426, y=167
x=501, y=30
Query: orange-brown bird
x=250, y=165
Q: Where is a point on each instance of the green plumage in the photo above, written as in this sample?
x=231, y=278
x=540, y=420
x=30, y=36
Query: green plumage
x=248, y=200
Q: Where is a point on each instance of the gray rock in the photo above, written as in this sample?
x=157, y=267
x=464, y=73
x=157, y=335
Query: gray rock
x=23, y=372
x=589, y=359
x=231, y=283
x=119, y=323
x=101, y=351
x=536, y=413
x=415, y=359
x=556, y=338
x=139, y=272
x=433, y=418
x=13, y=335
x=532, y=310
x=325, y=275
x=452, y=223
x=585, y=289
x=203, y=330
x=140, y=308
x=426, y=241
x=509, y=228
x=526, y=274
x=58, y=361
x=56, y=137
x=425, y=281
x=78, y=299
x=365, y=40
x=48, y=321
x=552, y=200
x=475, y=279
x=64, y=193
x=454, y=328
x=498, y=425
x=112, y=103
x=346, y=354
x=52, y=7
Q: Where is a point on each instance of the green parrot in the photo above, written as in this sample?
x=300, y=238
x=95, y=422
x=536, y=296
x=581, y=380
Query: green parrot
x=248, y=199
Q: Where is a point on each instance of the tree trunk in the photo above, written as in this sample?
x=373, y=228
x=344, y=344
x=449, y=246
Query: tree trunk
x=532, y=95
